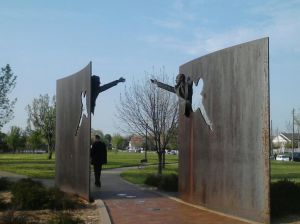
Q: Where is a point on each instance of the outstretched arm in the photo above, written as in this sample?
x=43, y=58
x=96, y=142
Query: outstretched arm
x=111, y=84
x=163, y=85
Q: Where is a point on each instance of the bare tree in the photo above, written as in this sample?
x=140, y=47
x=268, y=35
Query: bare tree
x=145, y=106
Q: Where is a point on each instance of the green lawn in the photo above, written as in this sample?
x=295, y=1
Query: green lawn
x=281, y=170
x=32, y=165
x=125, y=159
x=38, y=166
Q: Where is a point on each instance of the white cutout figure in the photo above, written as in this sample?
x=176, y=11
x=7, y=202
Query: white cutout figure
x=83, y=110
x=198, y=101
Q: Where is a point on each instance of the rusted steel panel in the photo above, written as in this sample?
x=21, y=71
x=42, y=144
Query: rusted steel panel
x=73, y=128
x=227, y=168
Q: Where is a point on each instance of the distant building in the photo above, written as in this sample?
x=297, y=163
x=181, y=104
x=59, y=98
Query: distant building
x=136, y=143
x=283, y=139
x=280, y=140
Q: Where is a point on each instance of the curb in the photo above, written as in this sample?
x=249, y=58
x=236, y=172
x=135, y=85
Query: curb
x=103, y=213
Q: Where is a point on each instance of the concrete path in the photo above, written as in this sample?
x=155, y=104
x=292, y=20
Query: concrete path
x=128, y=203
x=120, y=202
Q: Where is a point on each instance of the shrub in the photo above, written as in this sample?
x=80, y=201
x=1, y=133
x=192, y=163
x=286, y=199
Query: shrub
x=285, y=197
x=32, y=195
x=5, y=184
x=28, y=194
x=58, y=200
x=153, y=180
x=65, y=218
x=10, y=217
x=168, y=182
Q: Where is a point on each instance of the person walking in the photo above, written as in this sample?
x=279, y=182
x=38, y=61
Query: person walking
x=98, y=158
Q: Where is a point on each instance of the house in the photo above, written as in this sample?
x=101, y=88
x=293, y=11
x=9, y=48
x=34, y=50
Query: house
x=280, y=140
x=289, y=136
x=135, y=143
x=283, y=139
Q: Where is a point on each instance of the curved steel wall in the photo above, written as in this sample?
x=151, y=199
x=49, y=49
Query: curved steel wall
x=73, y=133
x=227, y=169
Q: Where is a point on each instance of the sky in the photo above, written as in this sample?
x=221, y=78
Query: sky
x=47, y=40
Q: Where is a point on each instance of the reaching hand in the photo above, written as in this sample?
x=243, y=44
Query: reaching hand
x=154, y=81
x=121, y=79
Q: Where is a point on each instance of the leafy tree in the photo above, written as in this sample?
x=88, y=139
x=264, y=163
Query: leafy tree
x=108, y=138
x=145, y=106
x=118, y=142
x=35, y=140
x=7, y=84
x=15, y=139
x=3, y=144
x=42, y=118
x=103, y=137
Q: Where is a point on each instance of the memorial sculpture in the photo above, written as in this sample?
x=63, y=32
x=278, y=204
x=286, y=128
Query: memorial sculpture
x=224, y=147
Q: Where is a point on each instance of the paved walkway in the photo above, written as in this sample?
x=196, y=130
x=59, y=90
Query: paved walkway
x=128, y=203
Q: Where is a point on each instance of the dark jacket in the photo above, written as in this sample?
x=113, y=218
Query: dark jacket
x=99, y=153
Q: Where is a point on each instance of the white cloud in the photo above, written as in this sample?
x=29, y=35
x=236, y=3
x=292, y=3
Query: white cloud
x=281, y=25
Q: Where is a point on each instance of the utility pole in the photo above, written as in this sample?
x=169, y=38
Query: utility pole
x=298, y=139
x=146, y=148
x=270, y=140
x=293, y=135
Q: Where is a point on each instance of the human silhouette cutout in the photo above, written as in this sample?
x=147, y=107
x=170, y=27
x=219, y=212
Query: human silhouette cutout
x=184, y=90
x=83, y=111
x=96, y=89
x=200, y=104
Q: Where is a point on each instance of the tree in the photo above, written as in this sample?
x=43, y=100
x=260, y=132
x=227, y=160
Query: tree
x=118, y=142
x=173, y=142
x=15, y=139
x=144, y=105
x=3, y=145
x=7, y=84
x=42, y=118
x=108, y=138
x=35, y=140
x=104, y=138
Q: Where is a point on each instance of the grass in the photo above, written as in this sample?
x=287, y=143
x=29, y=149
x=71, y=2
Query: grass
x=38, y=166
x=285, y=170
x=279, y=171
x=126, y=159
x=31, y=165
